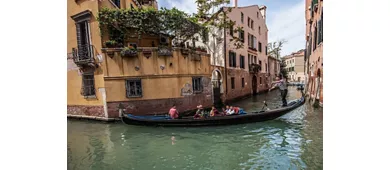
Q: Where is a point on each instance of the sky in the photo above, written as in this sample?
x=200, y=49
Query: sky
x=285, y=19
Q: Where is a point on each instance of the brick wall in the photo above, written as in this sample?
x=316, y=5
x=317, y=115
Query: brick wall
x=85, y=110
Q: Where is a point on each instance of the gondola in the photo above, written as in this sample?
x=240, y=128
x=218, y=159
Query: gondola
x=257, y=116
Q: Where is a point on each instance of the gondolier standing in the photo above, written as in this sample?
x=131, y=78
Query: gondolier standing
x=281, y=83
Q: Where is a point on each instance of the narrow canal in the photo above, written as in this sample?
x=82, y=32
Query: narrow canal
x=293, y=141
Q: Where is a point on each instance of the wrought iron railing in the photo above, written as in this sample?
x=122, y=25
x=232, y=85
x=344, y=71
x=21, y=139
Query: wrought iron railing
x=83, y=54
x=254, y=68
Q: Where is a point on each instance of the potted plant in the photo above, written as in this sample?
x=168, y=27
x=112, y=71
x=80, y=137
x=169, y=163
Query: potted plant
x=112, y=44
x=129, y=51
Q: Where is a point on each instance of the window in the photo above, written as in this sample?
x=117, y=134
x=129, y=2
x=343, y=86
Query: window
x=242, y=35
x=266, y=67
x=249, y=40
x=242, y=62
x=261, y=82
x=88, y=86
x=257, y=14
x=232, y=82
x=249, y=22
x=133, y=88
x=232, y=59
x=315, y=38
x=255, y=60
x=231, y=30
x=242, y=17
x=260, y=46
x=260, y=64
x=252, y=24
x=197, y=84
x=84, y=49
x=117, y=3
x=252, y=41
x=242, y=82
x=259, y=31
x=292, y=68
x=266, y=50
x=249, y=61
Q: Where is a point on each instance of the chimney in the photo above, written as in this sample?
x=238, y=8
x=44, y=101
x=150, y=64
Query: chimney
x=235, y=3
x=263, y=11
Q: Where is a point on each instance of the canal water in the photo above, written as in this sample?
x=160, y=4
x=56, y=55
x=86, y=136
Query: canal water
x=293, y=141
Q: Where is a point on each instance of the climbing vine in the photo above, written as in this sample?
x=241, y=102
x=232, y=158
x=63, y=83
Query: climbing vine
x=119, y=24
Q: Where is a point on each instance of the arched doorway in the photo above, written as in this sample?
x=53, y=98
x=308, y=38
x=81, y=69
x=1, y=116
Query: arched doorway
x=254, y=84
x=216, y=80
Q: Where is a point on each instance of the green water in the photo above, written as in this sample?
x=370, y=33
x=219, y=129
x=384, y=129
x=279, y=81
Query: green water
x=293, y=141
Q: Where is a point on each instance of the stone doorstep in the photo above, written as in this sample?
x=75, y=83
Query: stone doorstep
x=92, y=118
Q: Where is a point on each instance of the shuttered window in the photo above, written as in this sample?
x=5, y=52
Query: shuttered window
x=133, y=88
x=242, y=82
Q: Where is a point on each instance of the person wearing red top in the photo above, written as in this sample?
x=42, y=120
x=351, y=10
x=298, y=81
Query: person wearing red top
x=236, y=110
x=173, y=112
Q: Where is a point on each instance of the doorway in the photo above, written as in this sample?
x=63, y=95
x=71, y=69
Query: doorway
x=254, y=85
x=216, y=83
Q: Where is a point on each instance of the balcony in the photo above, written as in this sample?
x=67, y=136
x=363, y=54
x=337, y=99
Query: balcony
x=254, y=68
x=83, y=55
x=253, y=49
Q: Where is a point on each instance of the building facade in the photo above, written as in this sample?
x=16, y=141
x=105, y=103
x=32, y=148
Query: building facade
x=295, y=66
x=314, y=46
x=146, y=81
x=237, y=73
x=274, y=69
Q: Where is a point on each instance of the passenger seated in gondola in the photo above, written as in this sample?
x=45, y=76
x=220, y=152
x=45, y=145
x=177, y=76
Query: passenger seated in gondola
x=230, y=111
x=215, y=112
x=173, y=113
x=198, y=113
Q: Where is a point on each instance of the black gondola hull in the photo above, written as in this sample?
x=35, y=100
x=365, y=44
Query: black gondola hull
x=218, y=120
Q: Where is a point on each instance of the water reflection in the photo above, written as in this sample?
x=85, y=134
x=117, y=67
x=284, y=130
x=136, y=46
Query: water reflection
x=293, y=141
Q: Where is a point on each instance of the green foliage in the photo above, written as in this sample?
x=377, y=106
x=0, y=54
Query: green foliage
x=217, y=19
x=120, y=23
x=274, y=49
x=128, y=51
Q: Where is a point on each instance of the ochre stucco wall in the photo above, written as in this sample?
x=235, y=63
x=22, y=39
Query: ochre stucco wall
x=157, y=83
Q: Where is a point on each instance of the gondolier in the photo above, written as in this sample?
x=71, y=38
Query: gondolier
x=281, y=83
